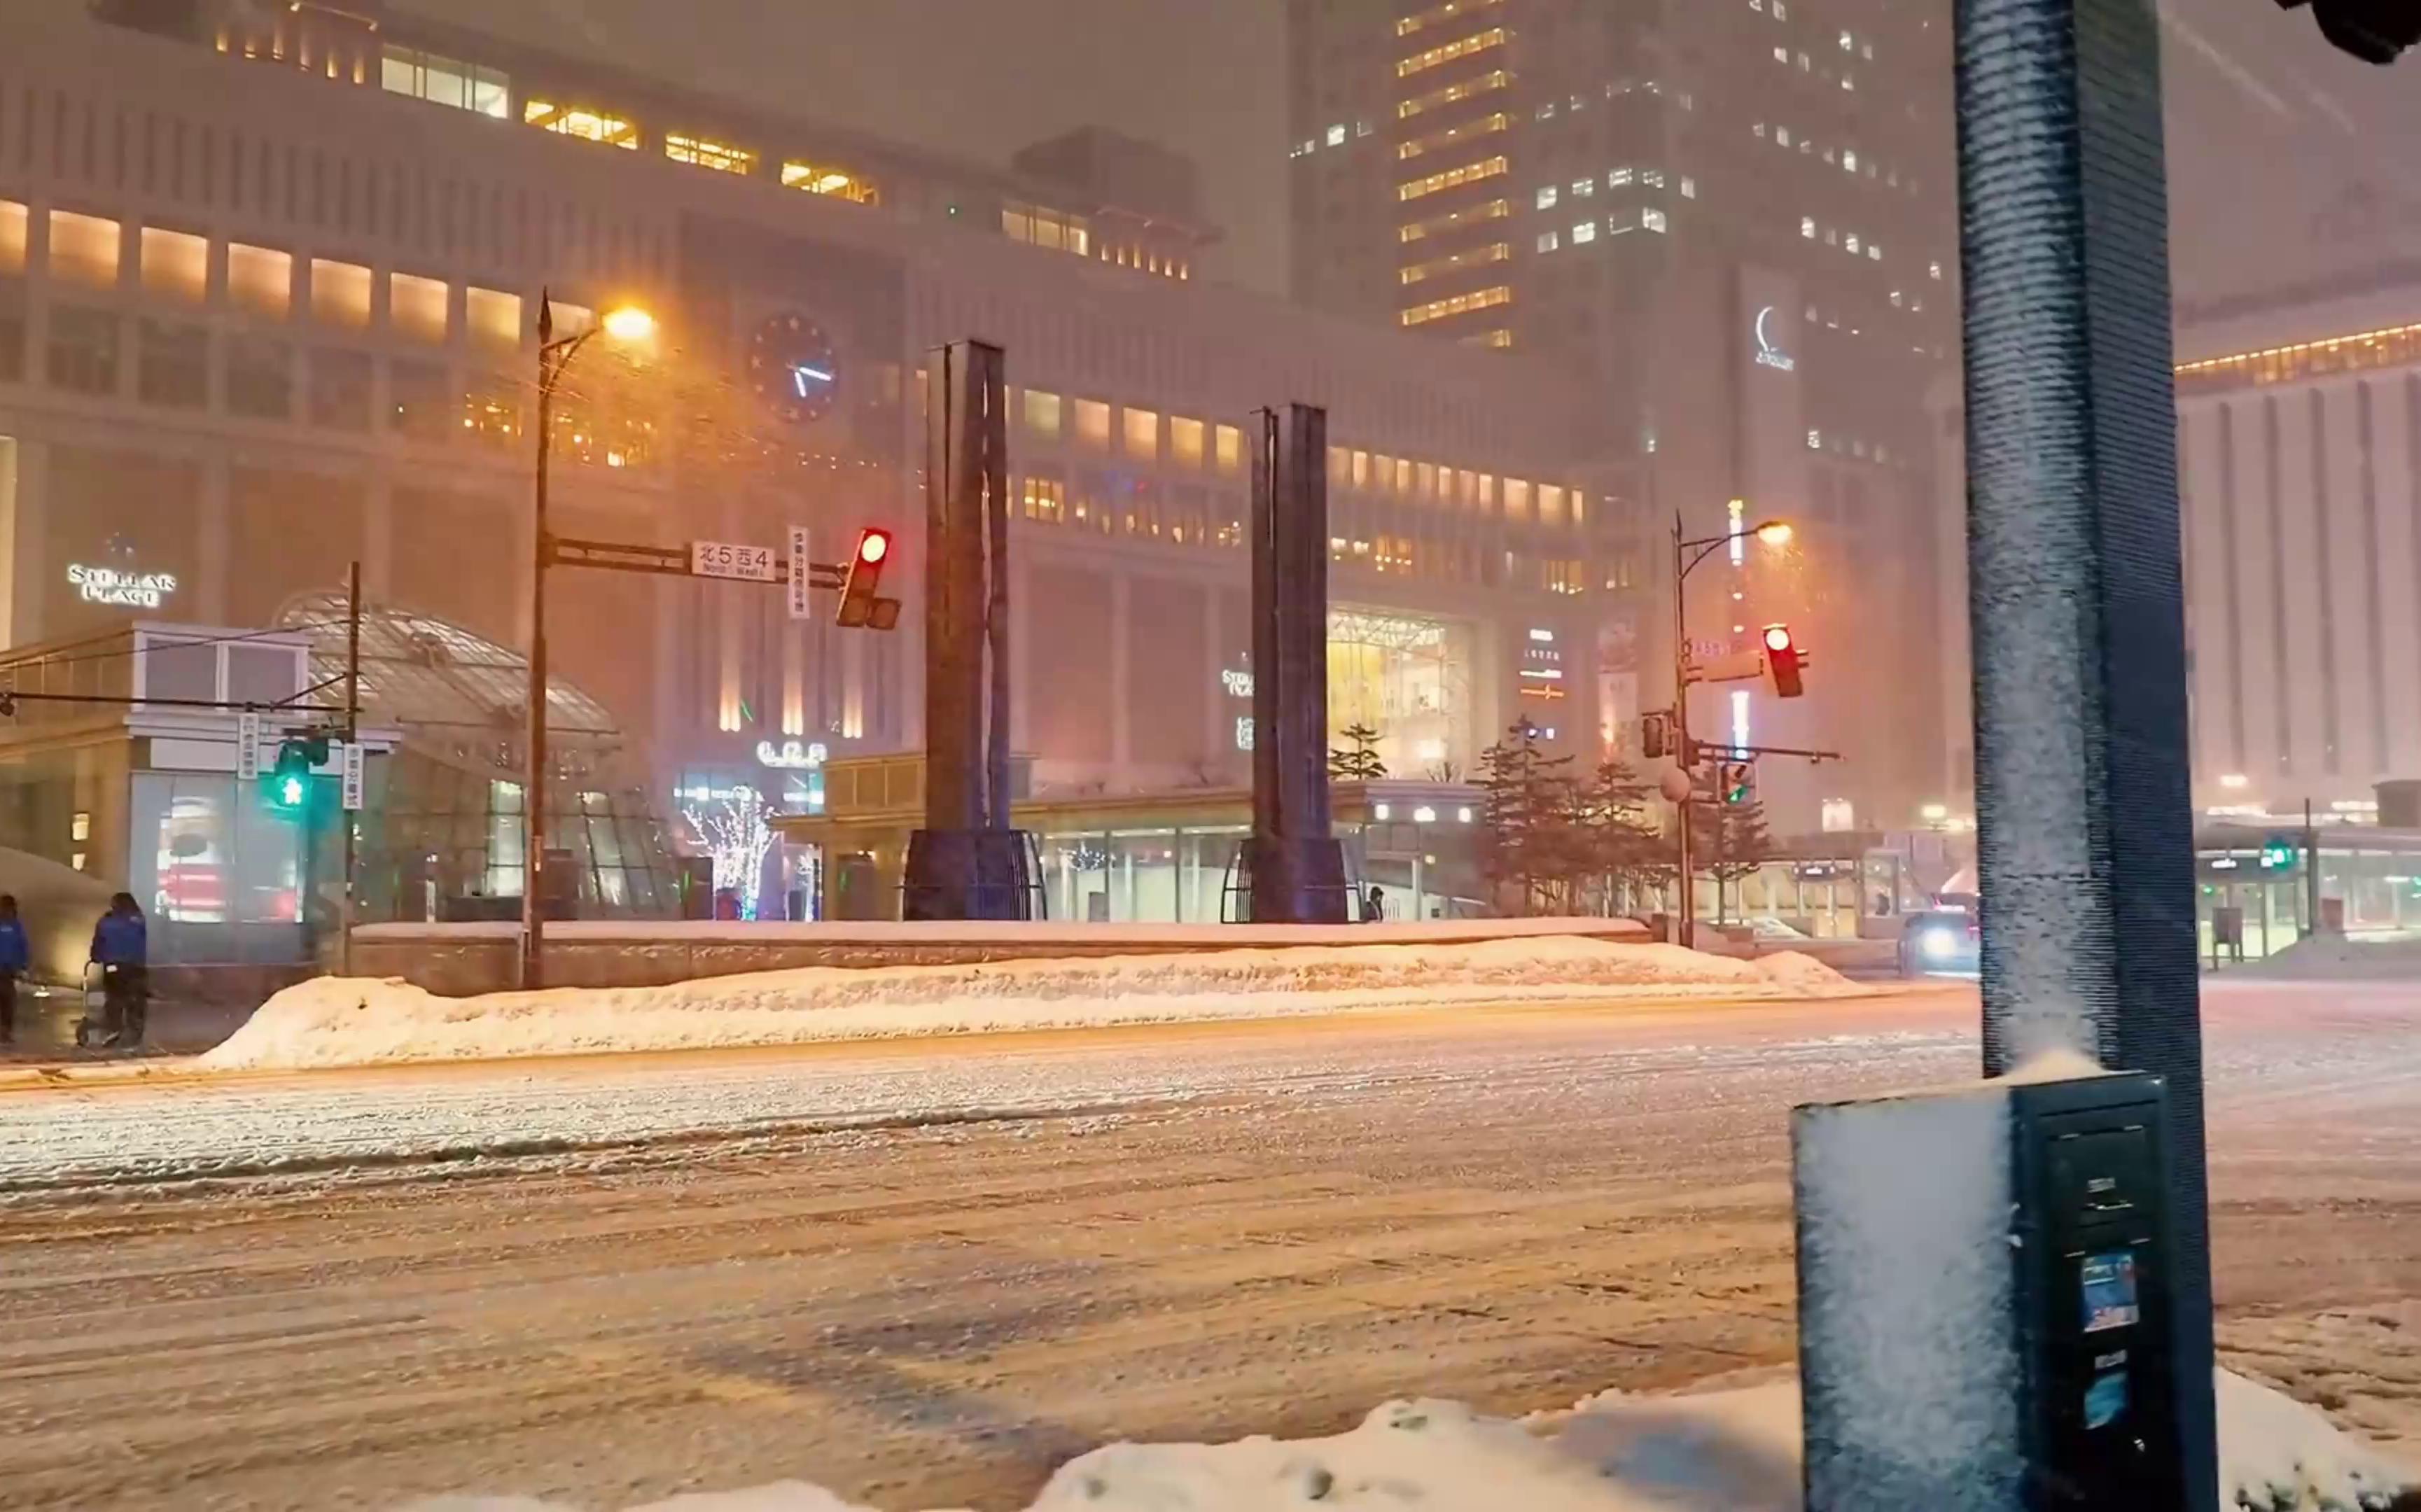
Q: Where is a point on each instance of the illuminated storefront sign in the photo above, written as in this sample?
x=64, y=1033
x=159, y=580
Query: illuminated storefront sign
x=1239, y=684
x=1768, y=355
x=125, y=590
x=792, y=756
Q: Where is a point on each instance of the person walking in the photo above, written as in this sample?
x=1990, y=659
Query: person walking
x=1374, y=906
x=122, y=953
x=16, y=958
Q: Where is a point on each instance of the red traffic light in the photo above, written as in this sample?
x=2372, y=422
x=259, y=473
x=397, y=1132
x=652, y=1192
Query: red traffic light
x=1784, y=660
x=873, y=546
x=860, y=607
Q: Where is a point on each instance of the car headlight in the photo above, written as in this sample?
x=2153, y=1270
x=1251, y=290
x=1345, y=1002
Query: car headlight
x=1938, y=945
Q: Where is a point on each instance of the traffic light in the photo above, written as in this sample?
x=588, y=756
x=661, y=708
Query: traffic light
x=1785, y=658
x=2374, y=31
x=286, y=786
x=860, y=606
x=1736, y=783
x=2278, y=854
x=1651, y=736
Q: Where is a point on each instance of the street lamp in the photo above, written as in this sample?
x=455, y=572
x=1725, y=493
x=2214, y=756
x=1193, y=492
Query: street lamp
x=626, y=325
x=1772, y=533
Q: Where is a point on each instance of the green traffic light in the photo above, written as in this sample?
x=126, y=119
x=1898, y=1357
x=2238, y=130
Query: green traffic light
x=289, y=791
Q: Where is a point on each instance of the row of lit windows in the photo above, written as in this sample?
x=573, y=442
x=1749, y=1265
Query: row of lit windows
x=1047, y=229
x=1421, y=146
x=1548, y=196
x=1494, y=252
x=1849, y=242
x=1648, y=219
x=1783, y=56
x=89, y=250
x=1494, y=79
x=1849, y=159
x=1452, y=178
x=1495, y=209
x=2389, y=347
x=1440, y=309
x=1406, y=25
x=1447, y=52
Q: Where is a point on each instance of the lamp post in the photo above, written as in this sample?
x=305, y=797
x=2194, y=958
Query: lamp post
x=553, y=355
x=1687, y=555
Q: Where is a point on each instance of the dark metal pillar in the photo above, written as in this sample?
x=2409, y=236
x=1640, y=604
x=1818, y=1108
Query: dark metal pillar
x=2086, y=842
x=966, y=863
x=1295, y=863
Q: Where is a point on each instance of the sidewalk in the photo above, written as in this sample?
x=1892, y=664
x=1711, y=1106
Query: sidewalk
x=46, y=1029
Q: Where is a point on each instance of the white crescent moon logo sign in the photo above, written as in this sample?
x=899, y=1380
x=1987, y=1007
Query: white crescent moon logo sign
x=1767, y=354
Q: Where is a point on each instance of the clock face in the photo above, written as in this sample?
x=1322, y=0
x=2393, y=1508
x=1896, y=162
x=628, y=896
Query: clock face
x=793, y=368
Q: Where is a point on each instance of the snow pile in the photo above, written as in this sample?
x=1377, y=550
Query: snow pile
x=340, y=1021
x=2330, y=958
x=1734, y=1451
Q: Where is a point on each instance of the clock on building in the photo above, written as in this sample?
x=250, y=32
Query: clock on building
x=793, y=366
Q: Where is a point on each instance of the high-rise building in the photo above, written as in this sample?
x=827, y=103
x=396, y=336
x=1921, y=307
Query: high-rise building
x=1735, y=220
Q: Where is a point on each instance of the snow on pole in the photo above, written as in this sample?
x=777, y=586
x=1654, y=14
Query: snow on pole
x=2083, y=812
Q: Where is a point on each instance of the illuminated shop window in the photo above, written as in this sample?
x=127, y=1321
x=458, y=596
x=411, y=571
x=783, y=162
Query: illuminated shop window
x=445, y=81
x=260, y=280
x=83, y=249
x=824, y=179
x=707, y=154
x=588, y=125
x=175, y=265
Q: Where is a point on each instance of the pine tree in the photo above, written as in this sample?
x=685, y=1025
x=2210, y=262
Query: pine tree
x=1528, y=810
x=1361, y=763
x=1620, y=847
x=1731, y=841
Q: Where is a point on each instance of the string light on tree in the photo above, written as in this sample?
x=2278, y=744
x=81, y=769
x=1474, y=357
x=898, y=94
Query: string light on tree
x=738, y=834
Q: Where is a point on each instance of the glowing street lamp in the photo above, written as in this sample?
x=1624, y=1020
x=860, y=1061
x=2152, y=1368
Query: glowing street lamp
x=625, y=325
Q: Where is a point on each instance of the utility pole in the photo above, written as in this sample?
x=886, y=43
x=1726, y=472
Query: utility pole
x=2311, y=873
x=2085, y=829
x=350, y=817
x=1686, y=930
x=533, y=739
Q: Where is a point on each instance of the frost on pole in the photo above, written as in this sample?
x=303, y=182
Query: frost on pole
x=2084, y=827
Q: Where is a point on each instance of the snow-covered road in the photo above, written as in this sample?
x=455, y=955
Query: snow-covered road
x=923, y=1273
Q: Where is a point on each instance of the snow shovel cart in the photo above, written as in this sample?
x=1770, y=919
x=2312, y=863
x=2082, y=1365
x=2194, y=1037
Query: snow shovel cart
x=92, y=1030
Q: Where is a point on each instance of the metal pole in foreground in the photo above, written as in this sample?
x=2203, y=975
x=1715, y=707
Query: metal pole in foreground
x=2085, y=824
x=352, y=735
x=1686, y=929
x=534, y=749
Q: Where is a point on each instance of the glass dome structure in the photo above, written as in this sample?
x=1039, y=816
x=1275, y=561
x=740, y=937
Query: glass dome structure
x=440, y=834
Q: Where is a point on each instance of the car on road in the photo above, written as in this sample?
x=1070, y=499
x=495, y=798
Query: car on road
x=1941, y=942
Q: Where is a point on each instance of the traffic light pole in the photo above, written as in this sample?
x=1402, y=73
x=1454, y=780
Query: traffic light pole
x=1686, y=926
x=353, y=733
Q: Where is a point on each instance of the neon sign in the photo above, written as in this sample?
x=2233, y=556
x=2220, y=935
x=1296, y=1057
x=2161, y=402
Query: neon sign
x=126, y=590
x=792, y=756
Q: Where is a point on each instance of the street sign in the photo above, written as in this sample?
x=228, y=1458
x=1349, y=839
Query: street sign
x=247, y=746
x=730, y=559
x=352, y=776
x=800, y=606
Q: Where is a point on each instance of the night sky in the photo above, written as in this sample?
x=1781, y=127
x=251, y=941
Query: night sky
x=976, y=78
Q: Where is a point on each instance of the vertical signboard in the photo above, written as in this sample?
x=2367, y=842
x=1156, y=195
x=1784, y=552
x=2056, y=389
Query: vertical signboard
x=352, y=776
x=800, y=606
x=247, y=746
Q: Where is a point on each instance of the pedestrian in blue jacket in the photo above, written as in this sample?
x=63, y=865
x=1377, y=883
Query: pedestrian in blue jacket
x=16, y=958
x=123, y=955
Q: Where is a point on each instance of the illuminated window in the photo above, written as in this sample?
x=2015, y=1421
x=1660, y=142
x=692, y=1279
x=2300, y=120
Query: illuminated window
x=1042, y=414
x=495, y=317
x=1548, y=196
x=1517, y=499
x=1585, y=232
x=588, y=125
x=1337, y=136
x=1617, y=177
x=1550, y=241
x=1498, y=79
x=416, y=307
x=1048, y=228
x=1093, y=423
x=1653, y=220
x=260, y=279
x=1046, y=499
x=1550, y=505
x=340, y=293
x=1500, y=337
x=13, y=219
x=445, y=81
x=719, y=156
x=1482, y=256
x=1451, y=178
x=1447, y=52
x=1231, y=449
x=1185, y=441
x=1495, y=209
x=1142, y=433
x=1689, y=187
x=175, y=265
x=823, y=179
x=1583, y=188
x=83, y=249
x=570, y=320
x=1453, y=136
x=1448, y=11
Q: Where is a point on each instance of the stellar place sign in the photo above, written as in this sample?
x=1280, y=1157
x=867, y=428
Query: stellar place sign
x=125, y=590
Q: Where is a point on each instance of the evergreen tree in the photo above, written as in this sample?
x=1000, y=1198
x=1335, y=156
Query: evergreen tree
x=1620, y=848
x=1528, y=810
x=1730, y=841
x=1361, y=763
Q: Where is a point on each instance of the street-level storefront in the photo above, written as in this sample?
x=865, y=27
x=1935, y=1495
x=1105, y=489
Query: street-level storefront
x=1151, y=858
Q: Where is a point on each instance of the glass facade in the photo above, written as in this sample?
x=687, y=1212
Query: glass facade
x=1410, y=679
